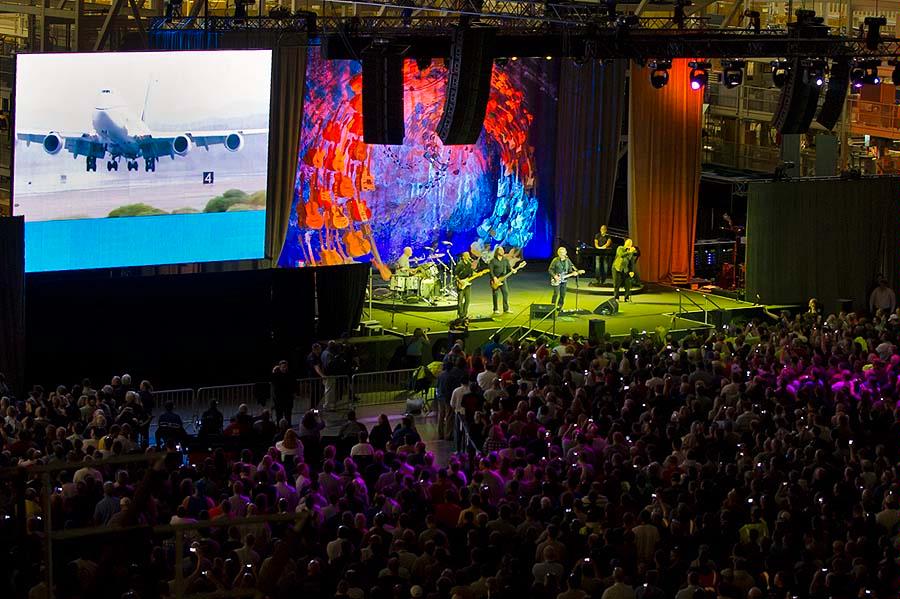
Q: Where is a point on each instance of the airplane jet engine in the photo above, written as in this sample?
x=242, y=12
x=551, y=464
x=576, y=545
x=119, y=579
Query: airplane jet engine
x=182, y=144
x=53, y=143
x=234, y=142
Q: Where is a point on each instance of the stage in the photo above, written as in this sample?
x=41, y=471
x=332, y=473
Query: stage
x=655, y=306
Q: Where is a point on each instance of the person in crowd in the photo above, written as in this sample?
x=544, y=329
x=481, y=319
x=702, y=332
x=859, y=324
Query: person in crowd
x=882, y=298
x=284, y=386
x=756, y=461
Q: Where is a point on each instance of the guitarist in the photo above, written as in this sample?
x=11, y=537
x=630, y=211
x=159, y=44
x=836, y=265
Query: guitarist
x=623, y=268
x=561, y=265
x=500, y=266
x=464, y=269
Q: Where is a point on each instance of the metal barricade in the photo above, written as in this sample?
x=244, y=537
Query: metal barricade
x=390, y=386
x=230, y=397
x=315, y=391
x=183, y=399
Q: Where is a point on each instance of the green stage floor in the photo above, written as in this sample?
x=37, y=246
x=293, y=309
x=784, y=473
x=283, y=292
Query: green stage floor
x=655, y=306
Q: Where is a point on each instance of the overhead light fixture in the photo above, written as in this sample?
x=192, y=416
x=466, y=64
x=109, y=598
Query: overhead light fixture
x=733, y=73
x=814, y=71
x=659, y=73
x=873, y=31
x=779, y=72
x=865, y=72
x=699, y=74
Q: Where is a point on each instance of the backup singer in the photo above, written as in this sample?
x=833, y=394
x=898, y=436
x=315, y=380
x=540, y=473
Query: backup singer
x=500, y=266
x=559, y=267
x=623, y=268
x=464, y=269
x=602, y=241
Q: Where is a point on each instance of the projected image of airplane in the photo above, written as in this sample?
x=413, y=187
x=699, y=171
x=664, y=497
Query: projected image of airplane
x=118, y=133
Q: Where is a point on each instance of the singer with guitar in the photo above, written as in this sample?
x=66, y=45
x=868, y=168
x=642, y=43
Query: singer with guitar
x=623, y=268
x=561, y=268
x=465, y=274
x=500, y=268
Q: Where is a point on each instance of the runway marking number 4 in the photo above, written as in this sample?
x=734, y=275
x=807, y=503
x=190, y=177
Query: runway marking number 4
x=208, y=177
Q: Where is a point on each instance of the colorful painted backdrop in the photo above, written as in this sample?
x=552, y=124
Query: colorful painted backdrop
x=355, y=201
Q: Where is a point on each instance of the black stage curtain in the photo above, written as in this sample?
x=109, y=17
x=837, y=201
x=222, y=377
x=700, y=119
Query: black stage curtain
x=288, y=86
x=589, y=122
x=827, y=239
x=12, y=301
x=341, y=292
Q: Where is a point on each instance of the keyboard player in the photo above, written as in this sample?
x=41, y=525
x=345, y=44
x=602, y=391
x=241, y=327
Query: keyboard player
x=604, y=257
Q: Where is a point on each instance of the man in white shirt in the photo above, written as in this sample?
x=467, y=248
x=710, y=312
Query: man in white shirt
x=457, y=396
x=619, y=590
x=882, y=298
x=363, y=447
x=486, y=378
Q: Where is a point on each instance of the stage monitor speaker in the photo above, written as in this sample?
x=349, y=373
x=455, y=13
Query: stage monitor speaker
x=596, y=330
x=468, y=85
x=608, y=308
x=797, y=103
x=539, y=311
x=382, y=97
x=838, y=82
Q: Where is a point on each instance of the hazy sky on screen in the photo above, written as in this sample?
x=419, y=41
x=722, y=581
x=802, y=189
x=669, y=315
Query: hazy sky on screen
x=59, y=91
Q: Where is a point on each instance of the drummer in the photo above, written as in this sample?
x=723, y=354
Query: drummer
x=402, y=266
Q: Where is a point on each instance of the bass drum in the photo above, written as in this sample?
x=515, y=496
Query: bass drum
x=429, y=288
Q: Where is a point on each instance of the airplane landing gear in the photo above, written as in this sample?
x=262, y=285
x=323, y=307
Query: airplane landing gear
x=150, y=164
x=132, y=165
x=91, y=164
x=112, y=165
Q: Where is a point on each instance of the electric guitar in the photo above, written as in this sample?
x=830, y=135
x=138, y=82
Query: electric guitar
x=496, y=283
x=555, y=280
x=463, y=283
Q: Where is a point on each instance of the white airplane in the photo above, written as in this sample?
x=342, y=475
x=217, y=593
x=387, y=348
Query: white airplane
x=118, y=133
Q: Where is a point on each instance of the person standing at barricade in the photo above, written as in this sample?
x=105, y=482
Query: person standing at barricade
x=283, y=387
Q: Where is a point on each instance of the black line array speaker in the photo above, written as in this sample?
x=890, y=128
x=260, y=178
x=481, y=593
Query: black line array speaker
x=468, y=85
x=797, y=104
x=608, y=308
x=838, y=82
x=382, y=92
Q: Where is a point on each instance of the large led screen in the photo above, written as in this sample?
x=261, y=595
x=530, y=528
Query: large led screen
x=132, y=159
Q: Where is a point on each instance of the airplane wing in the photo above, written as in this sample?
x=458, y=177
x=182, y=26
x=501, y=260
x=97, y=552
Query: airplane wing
x=169, y=144
x=77, y=144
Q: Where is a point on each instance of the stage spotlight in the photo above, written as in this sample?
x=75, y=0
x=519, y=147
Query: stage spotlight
x=856, y=77
x=699, y=74
x=779, y=72
x=814, y=72
x=732, y=73
x=659, y=73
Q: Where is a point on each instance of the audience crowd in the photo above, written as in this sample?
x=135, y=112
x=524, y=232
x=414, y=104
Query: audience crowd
x=758, y=462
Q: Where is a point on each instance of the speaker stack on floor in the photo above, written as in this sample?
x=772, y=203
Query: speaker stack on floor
x=608, y=308
x=468, y=85
x=382, y=95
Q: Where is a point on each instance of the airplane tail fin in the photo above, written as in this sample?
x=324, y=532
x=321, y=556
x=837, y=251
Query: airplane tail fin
x=146, y=100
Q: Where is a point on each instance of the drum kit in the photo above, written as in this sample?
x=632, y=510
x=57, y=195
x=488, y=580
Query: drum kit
x=430, y=281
